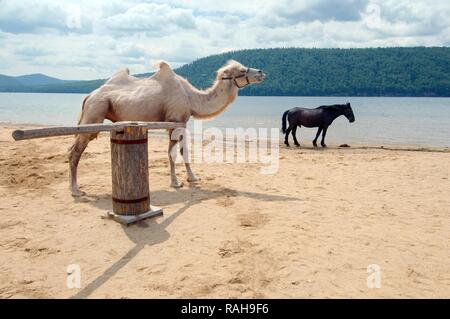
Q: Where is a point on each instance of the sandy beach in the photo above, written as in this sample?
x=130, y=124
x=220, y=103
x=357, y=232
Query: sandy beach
x=310, y=230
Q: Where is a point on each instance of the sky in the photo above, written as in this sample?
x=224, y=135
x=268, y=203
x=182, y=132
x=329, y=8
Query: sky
x=91, y=39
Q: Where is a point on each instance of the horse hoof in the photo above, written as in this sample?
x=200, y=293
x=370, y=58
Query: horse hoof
x=298, y=145
x=324, y=146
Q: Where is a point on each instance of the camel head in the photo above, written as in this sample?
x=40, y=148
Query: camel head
x=240, y=74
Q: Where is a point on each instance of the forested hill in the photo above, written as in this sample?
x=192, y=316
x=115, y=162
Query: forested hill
x=353, y=72
x=315, y=72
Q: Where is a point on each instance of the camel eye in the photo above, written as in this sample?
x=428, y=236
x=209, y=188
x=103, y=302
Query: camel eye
x=242, y=70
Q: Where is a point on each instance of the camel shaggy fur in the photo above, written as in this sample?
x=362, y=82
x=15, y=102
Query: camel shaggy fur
x=163, y=97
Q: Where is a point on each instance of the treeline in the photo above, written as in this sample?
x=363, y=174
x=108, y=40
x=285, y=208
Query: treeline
x=328, y=72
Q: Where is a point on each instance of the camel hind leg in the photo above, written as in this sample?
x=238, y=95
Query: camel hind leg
x=90, y=114
x=75, y=152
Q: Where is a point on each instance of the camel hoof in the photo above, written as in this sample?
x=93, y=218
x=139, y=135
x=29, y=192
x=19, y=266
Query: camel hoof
x=193, y=179
x=176, y=184
x=78, y=193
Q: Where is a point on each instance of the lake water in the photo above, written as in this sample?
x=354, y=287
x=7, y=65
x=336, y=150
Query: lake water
x=379, y=120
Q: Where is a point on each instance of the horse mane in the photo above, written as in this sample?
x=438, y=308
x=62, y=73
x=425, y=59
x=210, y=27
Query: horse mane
x=329, y=107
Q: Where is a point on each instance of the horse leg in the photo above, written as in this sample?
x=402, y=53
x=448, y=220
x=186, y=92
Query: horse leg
x=323, y=136
x=286, y=137
x=185, y=154
x=294, y=132
x=172, y=156
x=317, y=136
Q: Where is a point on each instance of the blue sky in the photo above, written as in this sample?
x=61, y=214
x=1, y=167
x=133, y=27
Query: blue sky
x=92, y=39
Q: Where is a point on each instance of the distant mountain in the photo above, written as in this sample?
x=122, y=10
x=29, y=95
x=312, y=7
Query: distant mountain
x=8, y=82
x=38, y=79
x=416, y=71
x=29, y=82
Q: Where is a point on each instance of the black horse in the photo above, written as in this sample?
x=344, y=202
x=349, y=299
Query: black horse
x=320, y=117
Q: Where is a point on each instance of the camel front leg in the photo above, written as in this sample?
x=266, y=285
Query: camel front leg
x=191, y=176
x=185, y=154
x=172, y=156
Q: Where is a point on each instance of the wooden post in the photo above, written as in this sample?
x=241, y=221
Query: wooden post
x=129, y=166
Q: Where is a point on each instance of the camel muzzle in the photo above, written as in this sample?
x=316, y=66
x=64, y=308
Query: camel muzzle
x=261, y=76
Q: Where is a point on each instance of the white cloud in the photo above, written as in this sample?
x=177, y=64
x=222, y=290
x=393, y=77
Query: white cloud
x=324, y=10
x=91, y=39
x=32, y=16
x=407, y=19
x=31, y=50
x=152, y=19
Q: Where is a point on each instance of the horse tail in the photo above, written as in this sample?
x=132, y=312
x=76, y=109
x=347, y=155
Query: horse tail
x=283, y=122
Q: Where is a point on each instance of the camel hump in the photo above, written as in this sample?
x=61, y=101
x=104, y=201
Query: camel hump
x=122, y=71
x=119, y=76
x=164, y=67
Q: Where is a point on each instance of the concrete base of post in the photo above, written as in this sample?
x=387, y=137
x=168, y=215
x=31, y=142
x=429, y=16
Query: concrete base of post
x=130, y=219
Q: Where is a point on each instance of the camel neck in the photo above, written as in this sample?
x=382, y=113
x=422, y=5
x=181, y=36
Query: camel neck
x=214, y=100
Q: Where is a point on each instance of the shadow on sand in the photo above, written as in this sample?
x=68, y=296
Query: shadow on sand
x=149, y=232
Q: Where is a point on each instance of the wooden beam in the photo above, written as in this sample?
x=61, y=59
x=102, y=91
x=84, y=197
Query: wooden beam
x=27, y=134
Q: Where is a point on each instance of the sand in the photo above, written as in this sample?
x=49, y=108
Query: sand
x=310, y=230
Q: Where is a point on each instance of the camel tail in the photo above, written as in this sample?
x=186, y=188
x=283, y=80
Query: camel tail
x=283, y=122
x=82, y=110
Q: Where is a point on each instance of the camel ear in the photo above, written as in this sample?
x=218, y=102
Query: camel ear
x=222, y=72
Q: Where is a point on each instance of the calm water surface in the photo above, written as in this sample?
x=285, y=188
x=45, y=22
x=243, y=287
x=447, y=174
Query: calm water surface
x=379, y=121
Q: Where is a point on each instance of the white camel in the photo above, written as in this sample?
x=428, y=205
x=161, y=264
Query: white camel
x=163, y=97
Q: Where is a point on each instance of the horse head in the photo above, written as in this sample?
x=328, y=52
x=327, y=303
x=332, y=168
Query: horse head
x=348, y=113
